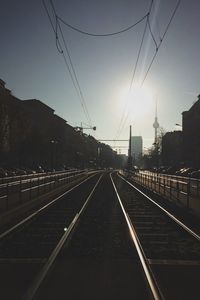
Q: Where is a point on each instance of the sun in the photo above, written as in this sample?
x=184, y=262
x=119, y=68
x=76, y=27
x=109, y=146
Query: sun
x=140, y=101
x=137, y=103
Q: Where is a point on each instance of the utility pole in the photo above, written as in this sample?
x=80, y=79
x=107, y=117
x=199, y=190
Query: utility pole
x=156, y=146
x=129, y=151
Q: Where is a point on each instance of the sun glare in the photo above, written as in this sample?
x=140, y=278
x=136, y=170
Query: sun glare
x=139, y=101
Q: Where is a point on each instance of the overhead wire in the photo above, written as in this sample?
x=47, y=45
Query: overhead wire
x=161, y=40
x=156, y=52
x=83, y=102
x=156, y=21
x=76, y=78
x=152, y=35
x=103, y=34
x=124, y=118
x=60, y=50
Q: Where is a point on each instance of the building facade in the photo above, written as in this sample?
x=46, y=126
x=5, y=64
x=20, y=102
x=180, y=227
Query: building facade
x=31, y=134
x=191, y=135
x=172, y=149
x=136, y=148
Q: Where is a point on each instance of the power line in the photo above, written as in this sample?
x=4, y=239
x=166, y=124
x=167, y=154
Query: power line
x=152, y=33
x=161, y=40
x=83, y=103
x=103, y=34
x=75, y=76
x=132, y=78
x=60, y=50
x=123, y=121
x=154, y=56
x=156, y=21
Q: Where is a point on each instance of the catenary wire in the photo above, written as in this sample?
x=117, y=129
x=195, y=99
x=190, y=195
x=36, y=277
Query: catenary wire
x=83, y=102
x=154, y=56
x=157, y=23
x=104, y=34
x=60, y=50
x=124, y=118
x=152, y=35
x=75, y=76
x=162, y=38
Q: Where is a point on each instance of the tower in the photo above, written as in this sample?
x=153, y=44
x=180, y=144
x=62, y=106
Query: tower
x=156, y=126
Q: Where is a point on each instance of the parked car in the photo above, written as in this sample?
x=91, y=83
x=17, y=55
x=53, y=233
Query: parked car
x=185, y=171
x=39, y=169
x=3, y=173
x=195, y=174
x=11, y=172
x=171, y=170
x=180, y=171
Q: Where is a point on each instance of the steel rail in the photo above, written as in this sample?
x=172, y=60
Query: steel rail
x=196, y=236
x=36, y=285
x=42, y=208
x=156, y=293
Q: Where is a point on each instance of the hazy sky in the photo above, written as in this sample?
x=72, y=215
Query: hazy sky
x=33, y=68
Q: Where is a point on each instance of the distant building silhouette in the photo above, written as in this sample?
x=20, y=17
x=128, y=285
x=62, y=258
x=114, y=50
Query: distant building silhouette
x=32, y=134
x=3, y=90
x=191, y=135
x=136, y=148
x=172, y=149
x=182, y=148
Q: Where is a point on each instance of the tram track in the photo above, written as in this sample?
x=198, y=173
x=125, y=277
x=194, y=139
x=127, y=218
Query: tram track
x=157, y=226
x=25, y=248
x=99, y=260
x=171, y=247
x=104, y=240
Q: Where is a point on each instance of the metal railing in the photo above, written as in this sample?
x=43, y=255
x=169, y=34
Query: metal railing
x=26, y=188
x=183, y=190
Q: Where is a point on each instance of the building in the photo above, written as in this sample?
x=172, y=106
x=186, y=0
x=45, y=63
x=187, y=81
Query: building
x=31, y=134
x=191, y=135
x=172, y=150
x=3, y=90
x=136, y=148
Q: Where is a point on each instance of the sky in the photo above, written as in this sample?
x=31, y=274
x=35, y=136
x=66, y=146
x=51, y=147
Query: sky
x=33, y=68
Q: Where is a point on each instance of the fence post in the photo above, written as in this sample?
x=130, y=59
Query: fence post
x=170, y=189
x=188, y=194
x=177, y=186
x=7, y=195
x=20, y=190
x=30, y=190
x=164, y=184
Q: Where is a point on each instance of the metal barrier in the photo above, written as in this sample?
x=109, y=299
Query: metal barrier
x=25, y=189
x=182, y=190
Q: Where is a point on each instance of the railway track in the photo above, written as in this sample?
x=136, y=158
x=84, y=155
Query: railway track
x=99, y=259
x=172, y=249
x=25, y=248
x=103, y=240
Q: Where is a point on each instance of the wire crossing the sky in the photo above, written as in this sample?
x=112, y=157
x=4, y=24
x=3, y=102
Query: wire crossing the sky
x=161, y=40
x=123, y=123
x=124, y=118
x=71, y=70
x=103, y=34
